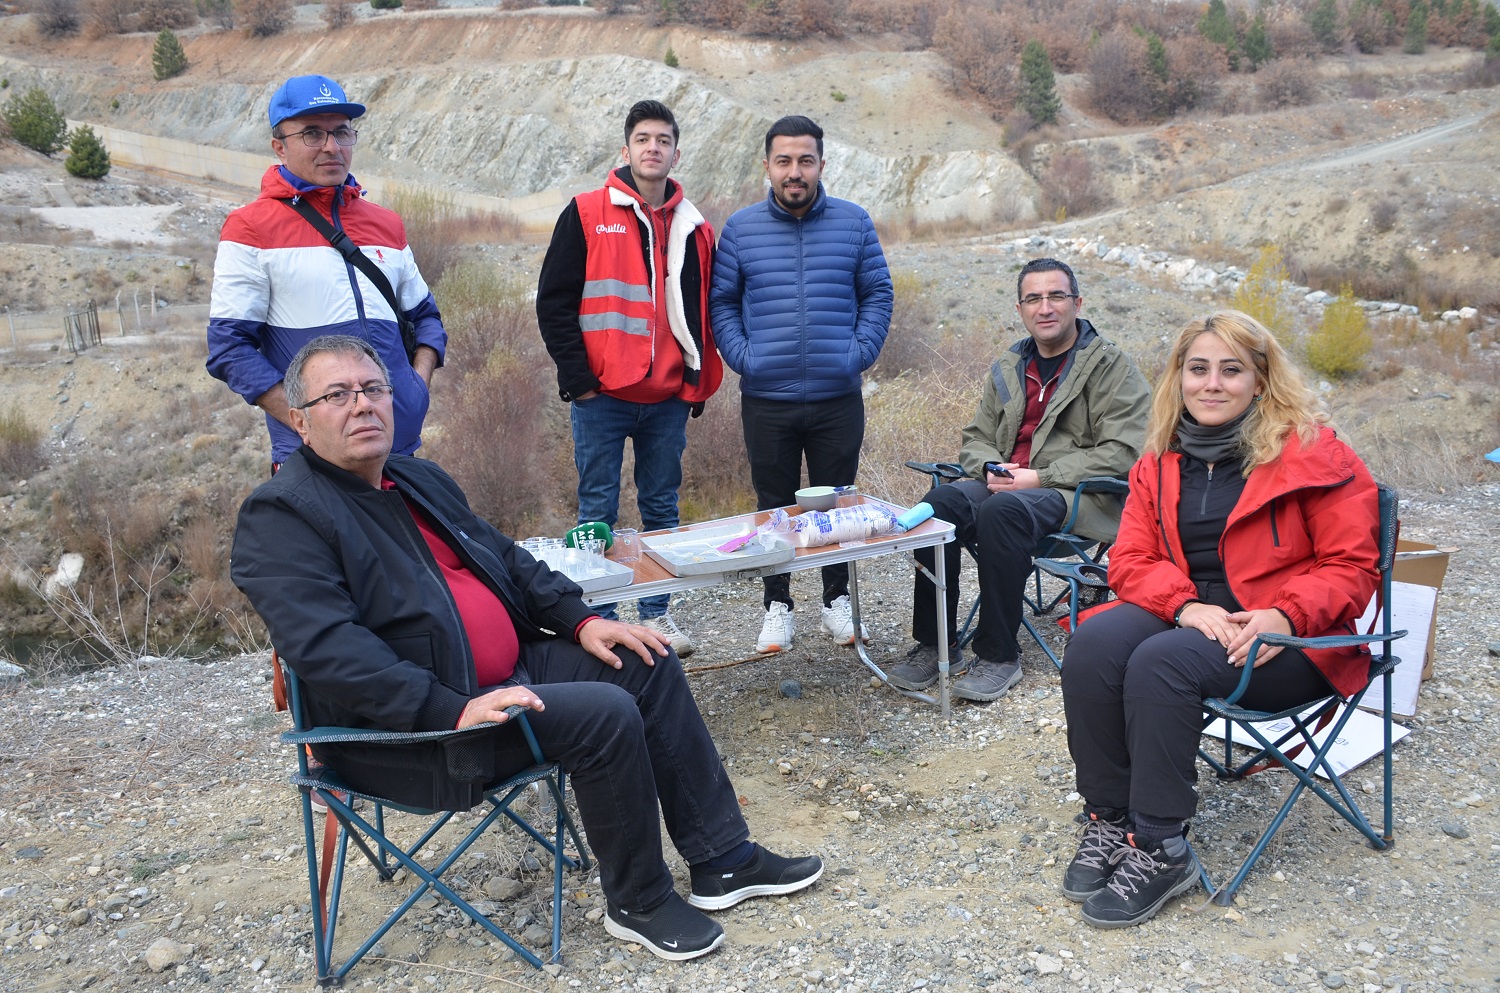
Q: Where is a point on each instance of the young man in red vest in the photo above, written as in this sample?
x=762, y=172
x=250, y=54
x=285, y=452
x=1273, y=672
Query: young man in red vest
x=622, y=303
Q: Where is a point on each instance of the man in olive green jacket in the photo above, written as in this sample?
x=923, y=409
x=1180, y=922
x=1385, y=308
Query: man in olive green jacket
x=1061, y=405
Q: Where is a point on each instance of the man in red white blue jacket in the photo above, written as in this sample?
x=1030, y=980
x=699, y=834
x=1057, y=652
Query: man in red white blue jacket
x=279, y=283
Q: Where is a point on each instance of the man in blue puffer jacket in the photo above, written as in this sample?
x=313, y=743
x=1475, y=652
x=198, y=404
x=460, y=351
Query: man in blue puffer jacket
x=800, y=305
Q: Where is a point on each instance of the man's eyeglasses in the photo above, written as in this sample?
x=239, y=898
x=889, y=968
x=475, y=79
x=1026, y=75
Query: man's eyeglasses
x=1056, y=298
x=315, y=137
x=374, y=393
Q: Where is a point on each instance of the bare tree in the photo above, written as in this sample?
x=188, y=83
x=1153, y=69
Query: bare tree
x=54, y=18
x=338, y=13
x=263, y=18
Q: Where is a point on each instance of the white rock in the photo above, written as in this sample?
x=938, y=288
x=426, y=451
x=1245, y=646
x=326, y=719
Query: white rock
x=1046, y=965
x=165, y=953
x=69, y=568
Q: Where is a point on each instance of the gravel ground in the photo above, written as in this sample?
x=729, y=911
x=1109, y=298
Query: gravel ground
x=145, y=807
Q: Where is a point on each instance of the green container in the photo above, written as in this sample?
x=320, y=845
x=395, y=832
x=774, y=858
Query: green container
x=589, y=529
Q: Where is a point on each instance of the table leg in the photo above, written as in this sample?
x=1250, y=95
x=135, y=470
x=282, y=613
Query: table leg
x=864, y=656
x=940, y=588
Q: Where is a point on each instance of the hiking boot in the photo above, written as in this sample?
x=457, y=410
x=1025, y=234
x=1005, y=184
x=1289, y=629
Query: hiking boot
x=767, y=874
x=672, y=931
x=838, y=621
x=1098, y=840
x=986, y=680
x=1144, y=879
x=776, y=629
x=920, y=670
x=668, y=629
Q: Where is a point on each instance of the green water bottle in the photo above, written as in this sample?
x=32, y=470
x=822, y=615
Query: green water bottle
x=589, y=529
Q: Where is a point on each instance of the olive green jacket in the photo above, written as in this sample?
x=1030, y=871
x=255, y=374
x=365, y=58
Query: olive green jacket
x=1094, y=425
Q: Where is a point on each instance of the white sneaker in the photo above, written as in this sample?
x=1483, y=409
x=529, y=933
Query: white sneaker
x=776, y=629
x=838, y=621
x=668, y=629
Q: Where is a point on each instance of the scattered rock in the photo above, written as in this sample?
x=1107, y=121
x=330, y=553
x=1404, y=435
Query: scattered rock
x=165, y=953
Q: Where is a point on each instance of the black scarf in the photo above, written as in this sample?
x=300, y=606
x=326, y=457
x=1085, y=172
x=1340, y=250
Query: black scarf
x=1210, y=444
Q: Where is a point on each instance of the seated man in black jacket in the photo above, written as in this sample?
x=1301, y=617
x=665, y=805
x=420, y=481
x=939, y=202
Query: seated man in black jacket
x=400, y=609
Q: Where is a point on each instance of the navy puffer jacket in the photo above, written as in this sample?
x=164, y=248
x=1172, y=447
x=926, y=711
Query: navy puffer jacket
x=800, y=306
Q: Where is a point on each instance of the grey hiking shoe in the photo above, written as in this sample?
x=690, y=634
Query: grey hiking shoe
x=920, y=669
x=986, y=680
x=1098, y=840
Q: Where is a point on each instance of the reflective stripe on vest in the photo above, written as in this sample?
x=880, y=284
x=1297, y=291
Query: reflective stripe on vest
x=603, y=320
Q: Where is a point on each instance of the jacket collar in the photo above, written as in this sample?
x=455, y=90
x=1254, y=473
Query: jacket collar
x=278, y=183
x=620, y=180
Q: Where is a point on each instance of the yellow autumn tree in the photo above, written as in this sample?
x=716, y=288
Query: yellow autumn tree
x=1341, y=343
x=1263, y=293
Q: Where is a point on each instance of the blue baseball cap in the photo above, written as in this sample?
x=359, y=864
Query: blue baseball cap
x=311, y=95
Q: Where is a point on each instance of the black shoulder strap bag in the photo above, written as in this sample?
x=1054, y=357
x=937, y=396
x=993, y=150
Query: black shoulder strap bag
x=351, y=253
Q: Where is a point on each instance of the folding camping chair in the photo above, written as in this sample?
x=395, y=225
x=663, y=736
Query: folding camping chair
x=1061, y=551
x=1330, y=713
x=387, y=856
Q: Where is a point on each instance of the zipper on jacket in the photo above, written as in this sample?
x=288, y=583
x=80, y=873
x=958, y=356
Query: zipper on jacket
x=413, y=536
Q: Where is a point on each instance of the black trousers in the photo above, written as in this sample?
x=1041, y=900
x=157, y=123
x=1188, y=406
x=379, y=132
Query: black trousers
x=638, y=753
x=1133, y=691
x=1006, y=527
x=777, y=436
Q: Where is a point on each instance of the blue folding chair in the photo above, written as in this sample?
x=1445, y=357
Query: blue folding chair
x=387, y=856
x=1307, y=720
x=1059, y=554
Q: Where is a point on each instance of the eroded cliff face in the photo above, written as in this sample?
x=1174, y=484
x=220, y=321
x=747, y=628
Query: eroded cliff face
x=531, y=106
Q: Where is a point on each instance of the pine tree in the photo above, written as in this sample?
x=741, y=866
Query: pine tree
x=1323, y=19
x=87, y=156
x=1215, y=24
x=1038, y=86
x=35, y=121
x=1257, y=44
x=1415, y=40
x=167, y=57
x=1263, y=293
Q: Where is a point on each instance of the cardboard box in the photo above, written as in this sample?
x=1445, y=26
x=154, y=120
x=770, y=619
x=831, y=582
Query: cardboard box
x=1423, y=565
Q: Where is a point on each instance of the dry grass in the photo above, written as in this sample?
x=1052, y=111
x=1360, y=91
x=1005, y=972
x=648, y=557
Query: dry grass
x=441, y=232
x=21, y=452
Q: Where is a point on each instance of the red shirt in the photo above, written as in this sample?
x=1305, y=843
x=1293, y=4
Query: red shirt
x=1038, y=394
x=492, y=636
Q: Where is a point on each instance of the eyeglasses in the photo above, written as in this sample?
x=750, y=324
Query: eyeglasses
x=374, y=393
x=1056, y=298
x=315, y=137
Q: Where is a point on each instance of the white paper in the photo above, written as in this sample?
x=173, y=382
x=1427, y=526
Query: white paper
x=1413, y=610
x=1362, y=739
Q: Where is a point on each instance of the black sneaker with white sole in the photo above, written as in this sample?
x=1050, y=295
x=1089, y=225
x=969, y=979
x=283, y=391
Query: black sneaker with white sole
x=672, y=931
x=767, y=874
x=1144, y=880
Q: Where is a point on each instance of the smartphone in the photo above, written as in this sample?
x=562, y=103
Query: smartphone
x=997, y=469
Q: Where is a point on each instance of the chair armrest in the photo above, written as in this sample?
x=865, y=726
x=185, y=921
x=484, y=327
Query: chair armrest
x=1082, y=573
x=1091, y=484
x=375, y=736
x=941, y=472
x=1295, y=641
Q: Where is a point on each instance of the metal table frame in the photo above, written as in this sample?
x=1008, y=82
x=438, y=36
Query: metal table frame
x=653, y=579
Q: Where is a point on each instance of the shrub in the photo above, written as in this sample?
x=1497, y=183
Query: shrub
x=1414, y=40
x=35, y=121
x=1263, y=293
x=1285, y=83
x=1119, y=85
x=1341, y=343
x=1069, y=187
x=385, y=4
x=670, y=59
x=264, y=18
x=1323, y=19
x=441, y=232
x=221, y=12
x=980, y=46
x=109, y=17
x=158, y=14
x=420, y=5
x=1383, y=216
x=912, y=344
x=87, y=156
x=338, y=13
x=21, y=452
x=55, y=18
x=1038, y=89
x=167, y=57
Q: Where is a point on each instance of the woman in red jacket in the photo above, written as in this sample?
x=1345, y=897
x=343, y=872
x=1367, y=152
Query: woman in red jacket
x=1246, y=515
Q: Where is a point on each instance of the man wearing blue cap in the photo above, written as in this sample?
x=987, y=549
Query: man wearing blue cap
x=279, y=281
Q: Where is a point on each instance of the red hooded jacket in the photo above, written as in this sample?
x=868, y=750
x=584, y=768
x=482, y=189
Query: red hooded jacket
x=1301, y=539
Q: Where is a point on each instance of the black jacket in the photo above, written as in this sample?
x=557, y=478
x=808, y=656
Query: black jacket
x=356, y=606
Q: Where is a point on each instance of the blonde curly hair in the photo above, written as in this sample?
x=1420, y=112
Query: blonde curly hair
x=1285, y=404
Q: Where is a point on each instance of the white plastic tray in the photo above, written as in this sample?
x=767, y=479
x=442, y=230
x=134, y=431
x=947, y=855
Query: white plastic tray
x=696, y=553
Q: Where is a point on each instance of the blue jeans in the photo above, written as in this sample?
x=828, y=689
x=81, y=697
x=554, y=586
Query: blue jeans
x=658, y=434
